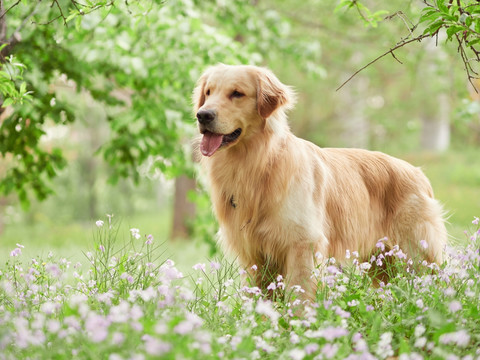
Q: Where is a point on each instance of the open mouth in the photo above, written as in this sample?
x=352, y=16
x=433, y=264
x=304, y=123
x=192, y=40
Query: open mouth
x=231, y=137
x=211, y=142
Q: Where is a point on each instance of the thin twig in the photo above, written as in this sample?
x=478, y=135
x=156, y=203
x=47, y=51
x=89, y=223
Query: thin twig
x=75, y=4
x=49, y=21
x=15, y=38
x=405, y=20
x=10, y=8
x=395, y=57
x=61, y=12
x=468, y=67
x=418, y=38
x=360, y=12
x=24, y=22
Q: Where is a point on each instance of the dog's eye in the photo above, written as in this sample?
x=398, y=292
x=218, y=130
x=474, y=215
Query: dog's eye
x=208, y=92
x=236, y=94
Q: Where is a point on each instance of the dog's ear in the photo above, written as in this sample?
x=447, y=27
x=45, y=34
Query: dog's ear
x=272, y=94
x=199, y=92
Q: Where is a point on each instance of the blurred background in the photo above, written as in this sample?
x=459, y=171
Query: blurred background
x=105, y=123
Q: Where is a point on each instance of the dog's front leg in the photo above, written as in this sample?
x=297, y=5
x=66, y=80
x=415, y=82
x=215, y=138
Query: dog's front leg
x=298, y=270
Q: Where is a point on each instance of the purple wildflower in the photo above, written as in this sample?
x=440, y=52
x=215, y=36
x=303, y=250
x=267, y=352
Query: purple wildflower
x=272, y=286
x=149, y=240
x=97, y=327
x=191, y=322
x=381, y=244
x=215, y=266
x=135, y=233
x=329, y=350
x=454, y=306
x=460, y=338
x=297, y=354
x=266, y=308
x=155, y=346
x=16, y=252
x=311, y=348
x=199, y=266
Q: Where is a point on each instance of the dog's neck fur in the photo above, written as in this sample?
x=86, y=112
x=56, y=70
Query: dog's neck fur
x=258, y=177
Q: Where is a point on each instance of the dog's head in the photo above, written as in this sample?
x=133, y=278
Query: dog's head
x=233, y=103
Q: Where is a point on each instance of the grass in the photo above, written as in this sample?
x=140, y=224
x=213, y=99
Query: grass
x=72, y=240
x=127, y=301
x=130, y=302
x=455, y=178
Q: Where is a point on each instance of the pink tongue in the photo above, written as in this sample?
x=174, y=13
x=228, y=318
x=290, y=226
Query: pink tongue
x=210, y=143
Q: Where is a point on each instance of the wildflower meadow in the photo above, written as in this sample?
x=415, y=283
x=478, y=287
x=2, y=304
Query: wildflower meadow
x=130, y=303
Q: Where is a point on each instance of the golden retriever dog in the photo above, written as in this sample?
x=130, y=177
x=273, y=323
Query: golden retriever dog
x=280, y=200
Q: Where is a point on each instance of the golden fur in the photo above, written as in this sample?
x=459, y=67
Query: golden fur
x=280, y=199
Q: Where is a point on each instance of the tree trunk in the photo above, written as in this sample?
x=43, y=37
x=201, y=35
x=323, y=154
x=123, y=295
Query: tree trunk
x=436, y=127
x=351, y=104
x=183, y=209
x=434, y=78
x=354, y=123
x=3, y=204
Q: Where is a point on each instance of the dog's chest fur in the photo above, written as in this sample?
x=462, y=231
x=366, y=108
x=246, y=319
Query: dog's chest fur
x=261, y=209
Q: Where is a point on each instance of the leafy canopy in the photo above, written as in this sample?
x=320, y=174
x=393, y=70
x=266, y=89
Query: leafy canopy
x=140, y=60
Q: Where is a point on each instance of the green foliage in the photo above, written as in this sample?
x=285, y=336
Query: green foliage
x=204, y=226
x=11, y=75
x=466, y=124
x=124, y=267
x=461, y=23
x=459, y=20
x=151, y=54
x=369, y=18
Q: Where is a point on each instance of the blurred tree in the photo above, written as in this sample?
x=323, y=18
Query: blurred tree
x=458, y=20
x=132, y=45
x=385, y=106
x=184, y=209
x=435, y=135
x=155, y=51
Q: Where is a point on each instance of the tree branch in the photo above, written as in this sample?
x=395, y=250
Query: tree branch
x=391, y=51
x=10, y=8
x=15, y=37
x=3, y=25
x=60, y=10
x=471, y=73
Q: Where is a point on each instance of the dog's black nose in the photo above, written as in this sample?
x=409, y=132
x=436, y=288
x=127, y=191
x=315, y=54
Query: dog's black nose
x=206, y=116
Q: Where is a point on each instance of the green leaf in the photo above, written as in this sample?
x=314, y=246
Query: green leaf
x=7, y=102
x=23, y=87
x=429, y=16
x=442, y=7
x=403, y=346
x=72, y=15
x=452, y=30
x=473, y=42
x=344, y=3
x=468, y=20
x=436, y=318
x=433, y=28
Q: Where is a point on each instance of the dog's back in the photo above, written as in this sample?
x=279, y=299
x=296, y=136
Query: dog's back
x=395, y=198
